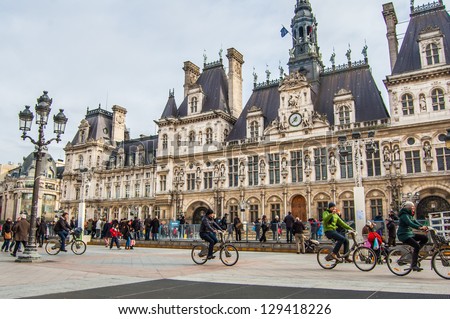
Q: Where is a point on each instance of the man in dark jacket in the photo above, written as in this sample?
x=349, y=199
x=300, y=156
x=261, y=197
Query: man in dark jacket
x=62, y=228
x=298, y=228
x=208, y=230
x=148, y=227
x=21, y=230
x=289, y=221
x=406, y=235
x=392, y=233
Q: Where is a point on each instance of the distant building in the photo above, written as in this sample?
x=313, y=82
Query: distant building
x=16, y=189
x=300, y=141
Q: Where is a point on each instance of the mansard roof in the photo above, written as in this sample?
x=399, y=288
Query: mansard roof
x=100, y=125
x=369, y=104
x=431, y=15
x=268, y=100
x=171, y=107
x=214, y=84
x=149, y=144
x=29, y=163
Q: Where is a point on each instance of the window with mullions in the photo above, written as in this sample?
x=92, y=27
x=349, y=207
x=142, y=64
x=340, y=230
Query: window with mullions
x=344, y=115
x=147, y=190
x=321, y=206
x=376, y=207
x=127, y=191
x=207, y=180
x=320, y=163
x=233, y=172
x=346, y=163
x=194, y=105
x=254, y=211
x=137, y=190
x=164, y=141
x=297, y=166
x=254, y=130
x=274, y=168
x=233, y=212
x=348, y=210
x=432, y=53
x=412, y=159
x=407, y=104
x=275, y=210
x=374, y=162
x=209, y=135
x=117, y=191
x=253, y=178
x=437, y=99
x=163, y=182
x=443, y=159
x=190, y=181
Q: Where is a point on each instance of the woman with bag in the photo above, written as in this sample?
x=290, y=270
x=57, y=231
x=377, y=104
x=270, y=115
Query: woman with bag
x=374, y=239
x=7, y=234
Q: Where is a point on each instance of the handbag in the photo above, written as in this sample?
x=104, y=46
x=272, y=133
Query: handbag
x=7, y=235
x=132, y=242
x=239, y=226
x=376, y=245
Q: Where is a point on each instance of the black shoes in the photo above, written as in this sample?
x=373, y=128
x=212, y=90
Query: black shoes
x=65, y=250
x=211, y=257
x=416, y=268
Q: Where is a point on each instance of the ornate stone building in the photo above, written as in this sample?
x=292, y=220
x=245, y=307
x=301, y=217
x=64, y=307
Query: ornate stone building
x=300, y=141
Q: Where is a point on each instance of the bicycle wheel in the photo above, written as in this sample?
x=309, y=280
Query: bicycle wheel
x=399, y=261
x=78, y=247
x=229, y=255
x=199, y=254
x=52, y=247
x=441, y=262
x=323, y=257
x=365, y=259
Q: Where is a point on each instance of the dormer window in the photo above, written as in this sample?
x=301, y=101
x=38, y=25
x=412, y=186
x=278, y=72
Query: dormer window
x=254, y=130
x=344, y=115
x=407, y=104
x=164, y=141
x=432, y=54
x=194, y=105
x=209, y=135
x=437, y=98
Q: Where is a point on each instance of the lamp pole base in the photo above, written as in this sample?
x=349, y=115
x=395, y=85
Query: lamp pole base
x=30, y=255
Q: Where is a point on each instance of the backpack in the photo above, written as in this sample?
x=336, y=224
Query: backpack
x=57, y=227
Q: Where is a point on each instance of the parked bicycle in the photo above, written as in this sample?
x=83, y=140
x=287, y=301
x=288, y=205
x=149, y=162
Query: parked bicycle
x=400, y=258
x=229, y=254
x=53, y=246
x=364, y=258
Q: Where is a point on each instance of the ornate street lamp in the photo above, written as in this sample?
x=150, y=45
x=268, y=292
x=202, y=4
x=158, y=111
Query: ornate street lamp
x=25, y=120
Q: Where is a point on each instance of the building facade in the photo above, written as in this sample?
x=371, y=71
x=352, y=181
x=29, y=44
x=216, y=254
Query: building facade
x=300, y=141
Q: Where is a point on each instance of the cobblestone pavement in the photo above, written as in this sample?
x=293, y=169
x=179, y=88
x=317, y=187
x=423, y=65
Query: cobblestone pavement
x=154, y=272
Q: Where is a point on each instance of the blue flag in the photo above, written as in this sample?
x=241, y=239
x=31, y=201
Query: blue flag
x=283, y=32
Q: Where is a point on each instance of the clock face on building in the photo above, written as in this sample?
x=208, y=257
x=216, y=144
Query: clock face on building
x=295, y=119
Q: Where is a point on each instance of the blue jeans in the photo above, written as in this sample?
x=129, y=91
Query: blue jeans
x=211, y=239
x=340, y=239
x=63, y=235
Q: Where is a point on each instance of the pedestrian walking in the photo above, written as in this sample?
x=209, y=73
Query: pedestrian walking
x=21, y=230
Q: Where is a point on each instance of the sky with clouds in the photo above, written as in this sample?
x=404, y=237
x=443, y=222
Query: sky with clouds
x=131, y=52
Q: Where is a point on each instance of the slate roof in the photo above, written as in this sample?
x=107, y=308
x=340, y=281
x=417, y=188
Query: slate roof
x=369, y=104
x=98, y=120
x=215, y=86
x=408, y=59
x=268, y=100
x=149, y=143
x=171, y=108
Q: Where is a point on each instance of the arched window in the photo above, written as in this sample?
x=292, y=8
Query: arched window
x=437, y=98
x=254, y=130
x=344, y=115
x=191, y=137
x=209, y=135
x=194, y=103
x=164, y=141
x=432, y=53
x=407, y=104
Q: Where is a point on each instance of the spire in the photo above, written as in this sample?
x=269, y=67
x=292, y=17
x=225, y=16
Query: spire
x=304, y=55
x=171, y=109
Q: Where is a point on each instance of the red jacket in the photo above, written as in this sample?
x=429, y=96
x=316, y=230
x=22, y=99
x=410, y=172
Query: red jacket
x=371, y=238
x=115, y=233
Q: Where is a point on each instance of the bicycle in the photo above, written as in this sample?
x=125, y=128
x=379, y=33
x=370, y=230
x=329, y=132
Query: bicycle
x=78, y=247
x=229, y=254
x=364, y=258
x=400, y=258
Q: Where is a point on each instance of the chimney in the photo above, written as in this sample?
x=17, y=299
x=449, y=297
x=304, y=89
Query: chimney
x=118, y=123
x=191, y=74
x=391, y=23
x=235, y=61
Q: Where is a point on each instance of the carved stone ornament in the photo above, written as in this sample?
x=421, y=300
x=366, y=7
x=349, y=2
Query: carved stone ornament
x=293, y=80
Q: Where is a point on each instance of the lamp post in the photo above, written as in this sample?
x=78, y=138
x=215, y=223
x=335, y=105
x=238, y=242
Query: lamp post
x=358, y=144
x=25, y=120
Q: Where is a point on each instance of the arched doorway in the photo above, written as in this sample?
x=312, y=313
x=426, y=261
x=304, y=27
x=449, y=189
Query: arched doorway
x=298, y=207
x=198, y=214
x=431, y=204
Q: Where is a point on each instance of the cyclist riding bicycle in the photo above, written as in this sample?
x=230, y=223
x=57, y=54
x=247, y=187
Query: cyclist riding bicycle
x=62, y=228
x=406, y=235
x=208, y=230
x=331, y=221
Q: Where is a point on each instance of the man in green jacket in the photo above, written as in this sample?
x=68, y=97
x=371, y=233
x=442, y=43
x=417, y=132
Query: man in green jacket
x=331, y=221
x=406, y=235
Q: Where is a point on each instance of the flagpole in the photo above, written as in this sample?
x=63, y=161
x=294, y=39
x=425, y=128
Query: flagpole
x=287, y=32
